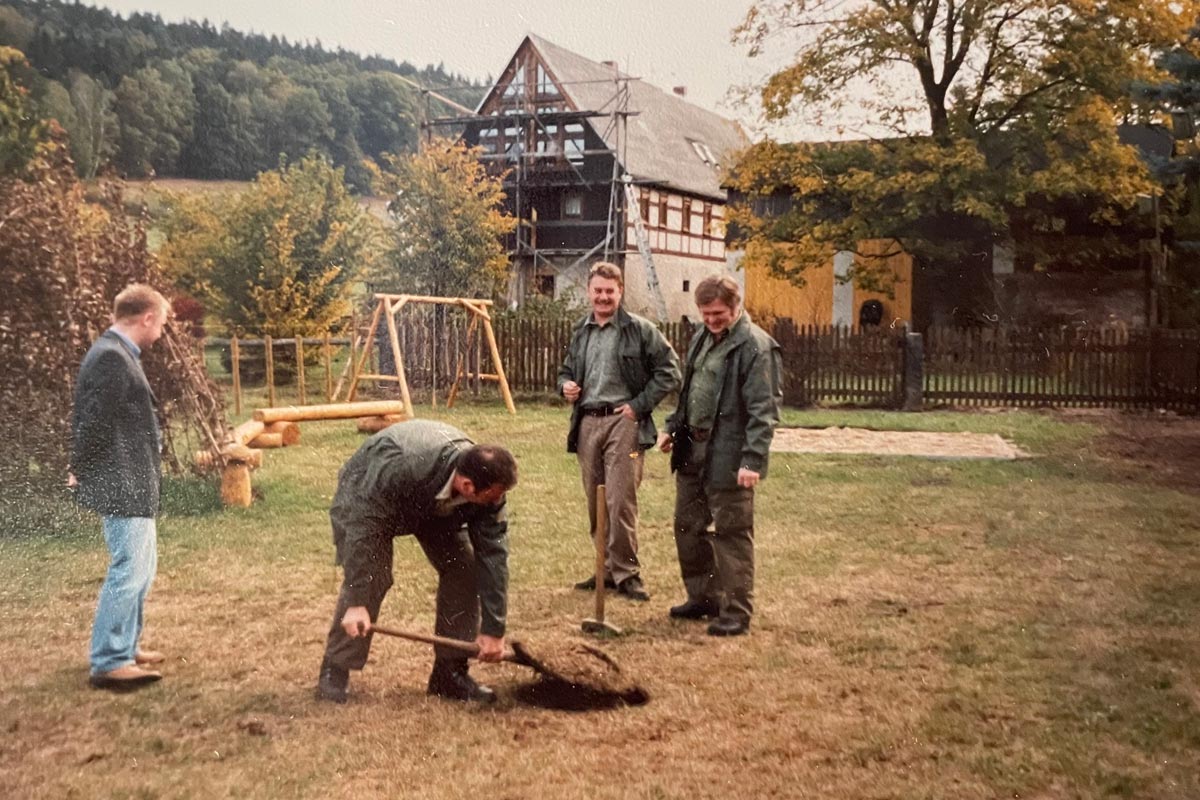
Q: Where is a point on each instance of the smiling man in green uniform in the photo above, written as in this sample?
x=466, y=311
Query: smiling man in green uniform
x=719, y=438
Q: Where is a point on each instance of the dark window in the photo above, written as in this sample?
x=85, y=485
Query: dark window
x=545, y=285
x=685, y=224
x=687, y=285
x=644, y=205
x=662, y=211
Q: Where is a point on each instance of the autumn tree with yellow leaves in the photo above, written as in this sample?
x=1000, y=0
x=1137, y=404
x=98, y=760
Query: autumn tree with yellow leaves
x=1003, y=120
x=449, y=223
x=280, y=258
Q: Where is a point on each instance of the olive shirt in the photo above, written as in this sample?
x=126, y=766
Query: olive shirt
x=395, y=485
x=647, y=365
x=742, y=377
x=603, y=385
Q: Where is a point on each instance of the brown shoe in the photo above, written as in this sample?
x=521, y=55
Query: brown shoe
x=130, y=676
x=144, y=657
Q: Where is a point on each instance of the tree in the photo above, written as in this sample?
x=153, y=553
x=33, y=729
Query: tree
x=94, y=140
x=387, y=117
x=156, y=110
x=279, y=258
x=1004, y=115
x=449, y=219
x=20, y=131
x=68, y=259
x=1177, y=93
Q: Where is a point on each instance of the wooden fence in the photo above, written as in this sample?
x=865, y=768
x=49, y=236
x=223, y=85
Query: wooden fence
x=1097, y=367
x=1010, y=366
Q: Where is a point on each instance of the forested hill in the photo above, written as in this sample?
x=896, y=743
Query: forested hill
x=148, y=97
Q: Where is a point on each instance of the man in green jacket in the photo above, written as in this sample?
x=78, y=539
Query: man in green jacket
x=618, y=368
x=719, y=438
x=429, y=480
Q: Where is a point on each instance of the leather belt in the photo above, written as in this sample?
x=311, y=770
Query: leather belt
x=599, y=411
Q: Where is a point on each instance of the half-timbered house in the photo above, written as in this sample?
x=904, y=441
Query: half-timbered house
x=600, y=165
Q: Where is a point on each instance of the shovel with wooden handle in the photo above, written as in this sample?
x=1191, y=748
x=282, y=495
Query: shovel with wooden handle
x=468, y=648
x=586, y=673
x=596, y=625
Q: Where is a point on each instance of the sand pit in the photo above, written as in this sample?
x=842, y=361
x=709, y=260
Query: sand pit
x=923, y=444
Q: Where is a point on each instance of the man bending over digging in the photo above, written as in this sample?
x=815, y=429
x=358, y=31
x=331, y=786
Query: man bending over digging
x=429, y=480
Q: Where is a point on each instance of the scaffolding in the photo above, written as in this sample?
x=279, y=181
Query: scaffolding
x=542, y=145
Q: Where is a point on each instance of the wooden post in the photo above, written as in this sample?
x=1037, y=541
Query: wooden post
x=386, y=304
x=433, y=359
x=300, y=366
x=362, y=357
x=235, y=359
x=370, y=408
x=270, y=366
x=463, y=366
x=328, y=369
x=353, y=342
x=235, y=485
x=247, y=431
x=477, y=382
x=289, y=432
x=497, y=363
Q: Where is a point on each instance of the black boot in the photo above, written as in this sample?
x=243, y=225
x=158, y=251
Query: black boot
x=728, y=626
x=696, y=609
x=332, y=682
x=449, y=679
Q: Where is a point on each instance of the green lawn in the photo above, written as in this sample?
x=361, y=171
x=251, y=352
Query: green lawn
x=925, y=629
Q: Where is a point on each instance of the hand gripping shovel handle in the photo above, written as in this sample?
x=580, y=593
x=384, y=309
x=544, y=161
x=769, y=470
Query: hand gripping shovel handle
x=470, y=648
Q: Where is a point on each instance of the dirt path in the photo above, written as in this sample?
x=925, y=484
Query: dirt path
x=894, y=443
x=1164, y=448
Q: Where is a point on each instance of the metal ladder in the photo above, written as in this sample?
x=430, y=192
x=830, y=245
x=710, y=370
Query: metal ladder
x=633, y=211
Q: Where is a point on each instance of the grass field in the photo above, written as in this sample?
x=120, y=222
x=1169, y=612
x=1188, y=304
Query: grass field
x=924, y=629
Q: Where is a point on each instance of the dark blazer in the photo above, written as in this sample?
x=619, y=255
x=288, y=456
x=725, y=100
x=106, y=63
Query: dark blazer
x=389, y=488
x=114, y=433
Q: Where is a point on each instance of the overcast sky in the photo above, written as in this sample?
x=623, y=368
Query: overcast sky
x=667, y=42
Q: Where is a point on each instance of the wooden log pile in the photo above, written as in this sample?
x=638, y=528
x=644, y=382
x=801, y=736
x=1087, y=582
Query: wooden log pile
x=277, y=427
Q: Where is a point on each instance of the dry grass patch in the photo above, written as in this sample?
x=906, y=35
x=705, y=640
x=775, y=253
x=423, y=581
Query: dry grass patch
x=924, y=630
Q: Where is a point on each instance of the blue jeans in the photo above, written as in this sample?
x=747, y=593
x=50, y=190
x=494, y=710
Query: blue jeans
x=133, y=549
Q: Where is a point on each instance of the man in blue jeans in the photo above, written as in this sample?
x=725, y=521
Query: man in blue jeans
x=116, y=450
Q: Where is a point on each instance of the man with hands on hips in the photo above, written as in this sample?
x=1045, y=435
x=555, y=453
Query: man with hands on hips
x=617, y=370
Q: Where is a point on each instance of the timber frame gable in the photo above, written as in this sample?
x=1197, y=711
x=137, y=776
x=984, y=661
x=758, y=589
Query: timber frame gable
x=585, y=151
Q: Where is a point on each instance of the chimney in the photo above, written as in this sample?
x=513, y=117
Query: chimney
x=680, y=91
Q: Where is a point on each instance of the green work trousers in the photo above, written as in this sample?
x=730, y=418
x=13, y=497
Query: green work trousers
x=451, y=554
x=717, y=563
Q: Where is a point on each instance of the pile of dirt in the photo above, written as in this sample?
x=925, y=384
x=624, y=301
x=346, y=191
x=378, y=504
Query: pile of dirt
x=578, y=677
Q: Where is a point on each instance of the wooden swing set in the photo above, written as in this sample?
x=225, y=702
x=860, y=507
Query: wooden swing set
x=386, y=308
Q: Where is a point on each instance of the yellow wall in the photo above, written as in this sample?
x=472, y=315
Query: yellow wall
x=812, y=304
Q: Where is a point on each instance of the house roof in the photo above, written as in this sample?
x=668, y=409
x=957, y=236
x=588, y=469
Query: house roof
x=659, y=146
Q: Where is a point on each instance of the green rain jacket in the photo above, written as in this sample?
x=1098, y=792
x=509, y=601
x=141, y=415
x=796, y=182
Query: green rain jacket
x=649, y=368
x=750, y=394
x=389, y=488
